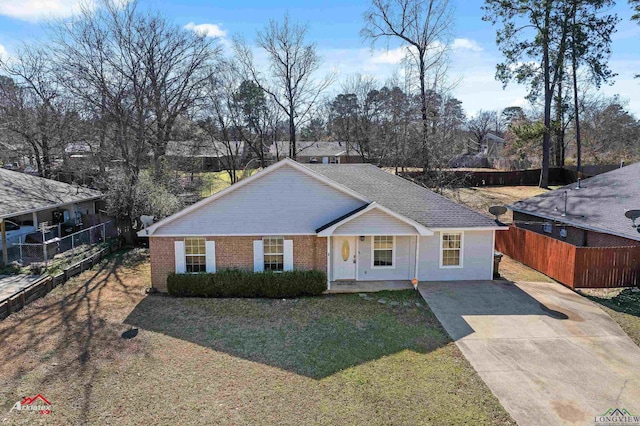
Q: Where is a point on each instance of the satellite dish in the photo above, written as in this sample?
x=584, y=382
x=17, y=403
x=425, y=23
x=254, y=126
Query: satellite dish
x=497, y=211
x=633, y=215
x=146, y=221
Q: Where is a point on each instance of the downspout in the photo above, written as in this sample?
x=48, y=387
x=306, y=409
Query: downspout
x=328, y=263
x=417, y=256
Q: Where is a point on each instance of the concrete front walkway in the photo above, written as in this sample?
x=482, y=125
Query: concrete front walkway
x=368, y=286
x=549, y=355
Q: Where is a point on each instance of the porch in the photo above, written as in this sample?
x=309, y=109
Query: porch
x=352, y=286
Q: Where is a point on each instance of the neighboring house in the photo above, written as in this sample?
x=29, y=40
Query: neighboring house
x=317, y=152
x=203, y=155
x=355, y=222
x=590, y=214
x=27, y=201
x=78, y=150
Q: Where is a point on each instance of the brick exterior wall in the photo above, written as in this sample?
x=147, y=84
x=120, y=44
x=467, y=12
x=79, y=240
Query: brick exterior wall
x=309, y=253
x=576, y=236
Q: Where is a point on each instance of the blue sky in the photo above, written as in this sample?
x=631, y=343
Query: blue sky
x=334, y=25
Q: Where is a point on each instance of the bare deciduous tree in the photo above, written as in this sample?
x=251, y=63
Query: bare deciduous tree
x=290, y=81
x=424, y=26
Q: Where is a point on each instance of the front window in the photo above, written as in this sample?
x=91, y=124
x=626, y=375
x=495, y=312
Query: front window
x=273, y=253
x=383, y=251
x=196, y=257
x=451, y=250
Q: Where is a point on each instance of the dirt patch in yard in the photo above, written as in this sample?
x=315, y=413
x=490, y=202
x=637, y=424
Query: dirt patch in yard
x=481, y=198
x=331, y=359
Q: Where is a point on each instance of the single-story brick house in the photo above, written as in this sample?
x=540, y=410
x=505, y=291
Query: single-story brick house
x=355, y=222
x=588, y=214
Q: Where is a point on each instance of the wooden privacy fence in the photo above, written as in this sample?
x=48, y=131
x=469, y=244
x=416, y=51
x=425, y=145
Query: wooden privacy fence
x=576, y=267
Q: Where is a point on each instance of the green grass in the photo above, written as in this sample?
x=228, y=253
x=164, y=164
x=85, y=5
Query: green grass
x=623, y=306
x=214, y=182
x=335, y=359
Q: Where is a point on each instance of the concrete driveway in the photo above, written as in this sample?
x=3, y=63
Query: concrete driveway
x=549, y=355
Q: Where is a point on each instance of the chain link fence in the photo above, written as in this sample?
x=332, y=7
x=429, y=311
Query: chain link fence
x=57, y=252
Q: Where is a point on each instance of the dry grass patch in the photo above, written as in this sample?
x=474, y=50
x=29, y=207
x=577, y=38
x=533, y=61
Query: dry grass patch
x=481, y=198
x=335, y=359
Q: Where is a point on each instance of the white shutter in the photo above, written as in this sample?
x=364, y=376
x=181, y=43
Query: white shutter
x=288, y=255
x=181, y=263
x=258, y=256
x=210, y=247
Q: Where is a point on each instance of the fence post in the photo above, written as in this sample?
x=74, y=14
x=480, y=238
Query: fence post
x=44, y=251
x=20, y=246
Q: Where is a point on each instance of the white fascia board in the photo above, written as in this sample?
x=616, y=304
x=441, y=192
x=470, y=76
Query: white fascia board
x=421, y=230
x=285, y=162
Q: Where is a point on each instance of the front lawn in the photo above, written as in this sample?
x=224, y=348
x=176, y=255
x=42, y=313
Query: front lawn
x=339, y=359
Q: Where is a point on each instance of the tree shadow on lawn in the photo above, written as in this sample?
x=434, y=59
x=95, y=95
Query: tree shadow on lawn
x=68, y=332
x=315, y=337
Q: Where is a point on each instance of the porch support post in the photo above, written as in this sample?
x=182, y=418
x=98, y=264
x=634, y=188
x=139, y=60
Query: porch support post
x=329, y=263
x=417, y=255
x=34, y=217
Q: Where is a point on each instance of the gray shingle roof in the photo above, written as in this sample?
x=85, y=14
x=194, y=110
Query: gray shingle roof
x=403, y=197
x=598, y=205
x=22, y=193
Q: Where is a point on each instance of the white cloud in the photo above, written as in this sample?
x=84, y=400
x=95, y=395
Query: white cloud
x=390, y=56
x=208, y=30
x=35, y=10
x=519, y=102
x=3, y=51
x=466, y=44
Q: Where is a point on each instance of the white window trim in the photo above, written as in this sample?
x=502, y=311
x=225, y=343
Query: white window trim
x=264, y=253
x=461, y=265
x=393, y=253
x=187, y=256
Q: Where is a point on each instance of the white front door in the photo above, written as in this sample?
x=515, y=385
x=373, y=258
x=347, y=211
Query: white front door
x=344, y=258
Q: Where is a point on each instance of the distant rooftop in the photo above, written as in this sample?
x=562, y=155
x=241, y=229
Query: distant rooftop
x=313, y=148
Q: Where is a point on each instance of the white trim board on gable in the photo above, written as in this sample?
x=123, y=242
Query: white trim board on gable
x=247, y=181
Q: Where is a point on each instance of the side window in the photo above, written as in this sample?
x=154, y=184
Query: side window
x=195, y=255
x=451, y=254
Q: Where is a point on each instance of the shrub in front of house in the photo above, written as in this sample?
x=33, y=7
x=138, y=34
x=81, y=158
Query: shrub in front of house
x=237, y=283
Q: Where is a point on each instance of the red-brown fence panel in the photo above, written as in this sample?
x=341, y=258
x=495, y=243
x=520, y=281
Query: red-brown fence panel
x=607, y=267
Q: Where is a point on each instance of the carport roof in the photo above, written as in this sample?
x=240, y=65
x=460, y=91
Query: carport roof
x=21, y=193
